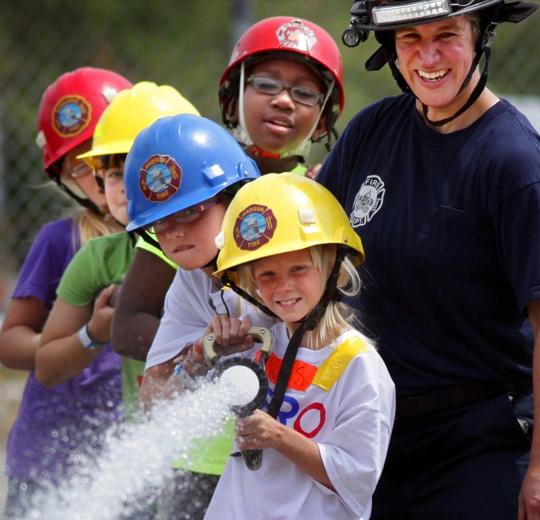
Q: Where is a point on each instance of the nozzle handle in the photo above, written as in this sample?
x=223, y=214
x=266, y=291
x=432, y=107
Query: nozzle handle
x=259, y=333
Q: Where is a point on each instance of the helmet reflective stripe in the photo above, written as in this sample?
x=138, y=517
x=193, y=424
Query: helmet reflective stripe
x=379, y=15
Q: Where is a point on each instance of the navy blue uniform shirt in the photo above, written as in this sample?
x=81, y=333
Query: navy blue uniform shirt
x=451, y=229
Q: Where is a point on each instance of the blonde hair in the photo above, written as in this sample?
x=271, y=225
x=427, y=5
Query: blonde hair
x=337, y=317
x=91, y=225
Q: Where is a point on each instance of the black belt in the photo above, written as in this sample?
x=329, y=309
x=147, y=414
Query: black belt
x=448, y=397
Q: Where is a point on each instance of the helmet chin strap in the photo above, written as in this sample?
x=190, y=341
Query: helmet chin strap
x=475, y=94
x=73, y=190
x=241, y=133
x=212, y=262
x=307, y=323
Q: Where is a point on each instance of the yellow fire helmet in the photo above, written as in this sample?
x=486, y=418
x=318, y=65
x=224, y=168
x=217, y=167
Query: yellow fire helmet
x=280, y=213
x=131, y=111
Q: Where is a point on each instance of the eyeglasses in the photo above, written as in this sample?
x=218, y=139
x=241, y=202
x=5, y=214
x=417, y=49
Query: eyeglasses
x=185, y=216
x=79, y=171
x=272, y=87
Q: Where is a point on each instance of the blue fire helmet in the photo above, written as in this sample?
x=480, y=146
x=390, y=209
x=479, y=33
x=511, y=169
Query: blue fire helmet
x=178, y=162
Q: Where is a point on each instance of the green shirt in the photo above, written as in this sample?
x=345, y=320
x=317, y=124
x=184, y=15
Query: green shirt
x=101, y=262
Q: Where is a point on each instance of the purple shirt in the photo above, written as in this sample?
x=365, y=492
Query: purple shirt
x=52, y=423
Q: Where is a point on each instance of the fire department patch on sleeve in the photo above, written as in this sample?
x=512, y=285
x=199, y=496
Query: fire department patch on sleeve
x=254, y=227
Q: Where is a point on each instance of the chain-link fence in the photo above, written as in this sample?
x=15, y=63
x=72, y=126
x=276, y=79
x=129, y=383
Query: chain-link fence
x=179, y=42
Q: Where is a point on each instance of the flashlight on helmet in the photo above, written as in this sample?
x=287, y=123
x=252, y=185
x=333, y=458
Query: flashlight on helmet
x=354, y=35
x=247, y=380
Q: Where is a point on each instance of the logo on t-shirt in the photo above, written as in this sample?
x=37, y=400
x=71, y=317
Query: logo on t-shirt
x=254, y=227
x=160, y=178
x=71, y=115
x=368, y=201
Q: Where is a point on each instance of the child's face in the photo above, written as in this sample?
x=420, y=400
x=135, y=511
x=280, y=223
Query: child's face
x=277, y=123
x=289, y=284
x=75, y=170
x=191, y=245
x=113, y=180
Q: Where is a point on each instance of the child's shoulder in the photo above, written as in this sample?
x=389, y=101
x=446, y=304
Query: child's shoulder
x=110, y=242
x=353, y=342
x=340, y=355
x=356, y=351
x=56, y=232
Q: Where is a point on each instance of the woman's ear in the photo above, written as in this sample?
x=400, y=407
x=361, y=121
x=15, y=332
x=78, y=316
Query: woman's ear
x=321, y=129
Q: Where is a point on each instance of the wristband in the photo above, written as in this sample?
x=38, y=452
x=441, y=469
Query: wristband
x=86, y=341
x=185, y=379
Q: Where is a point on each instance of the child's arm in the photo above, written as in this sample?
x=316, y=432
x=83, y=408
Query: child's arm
x=61, y=355
x=260, y=431
x=154, y=381
x=21, y=332
x=140, y=303
x=231, y=334
x=161, y=381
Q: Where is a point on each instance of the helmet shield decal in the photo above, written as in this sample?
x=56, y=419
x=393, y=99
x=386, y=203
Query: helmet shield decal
x=296, y=35
x=254, y=227
x=71, y=115
x=160, y=178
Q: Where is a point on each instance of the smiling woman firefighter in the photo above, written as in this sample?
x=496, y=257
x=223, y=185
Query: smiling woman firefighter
x=443, y=183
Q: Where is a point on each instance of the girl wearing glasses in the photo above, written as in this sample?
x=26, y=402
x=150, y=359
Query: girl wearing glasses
x=281, y=91
x=48, y=419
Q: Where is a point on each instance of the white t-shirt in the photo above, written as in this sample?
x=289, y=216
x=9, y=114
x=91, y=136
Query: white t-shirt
x=351, y=421
x=192, y=300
